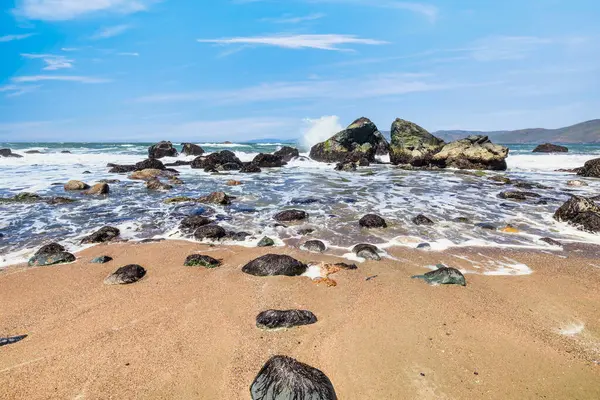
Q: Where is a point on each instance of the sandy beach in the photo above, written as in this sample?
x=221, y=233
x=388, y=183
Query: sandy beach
x=186, y=332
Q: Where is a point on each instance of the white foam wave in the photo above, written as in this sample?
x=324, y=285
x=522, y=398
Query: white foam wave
x=546, y=162
x=319, y=130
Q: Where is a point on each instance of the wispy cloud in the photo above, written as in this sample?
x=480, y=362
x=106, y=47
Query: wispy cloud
x=321, y=42
x=66, y=78
x=53, y=62
x=290, y=19
x=110, y=32
x=10, y=38
x=17, y=90
x=60, y=10
x=129, y=54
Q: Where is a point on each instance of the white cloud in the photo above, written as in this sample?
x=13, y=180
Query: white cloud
x=53, y=62
x=10, y=38
x=110, y=32
x=322, y=42
x=289, y=19
x=496, y=48
x=60, y=10
x=66, y=78
x=129, y=54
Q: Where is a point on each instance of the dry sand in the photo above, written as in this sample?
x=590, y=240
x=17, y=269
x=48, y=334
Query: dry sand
x=189, y=333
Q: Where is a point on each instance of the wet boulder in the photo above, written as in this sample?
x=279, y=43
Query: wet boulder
x=274, y=264
x=372, y=221
x=283, y=378
x=266, y=242
x=120, y=169
x=382, y=147
x=580, y=212
x=316, y=246
x=105, y=234
x=591, y=169
x=157, y=185
x=5, y=341
x=443, y=276
x=146, y=174
x=9, y=154
x=287, y=153
x=250, y=168
x=98, y=189
x=126, y=275
x=360, y=139
x=474, y=152
x=149, y=163
x=422, y=220
x=76, y=185
x=101, y=260
x=268, y=161
x=190, y=224
x=276, y=319
x=190, y=149
x=199, y=260
x=551, y=242
x=216, y=161
x=216, y=198
x=210, y=232
x=51, y=254
x=413, y=145
x=367, y=251
x=290, y=216
x=346, y=166
x=550, y=148
x=162, y=149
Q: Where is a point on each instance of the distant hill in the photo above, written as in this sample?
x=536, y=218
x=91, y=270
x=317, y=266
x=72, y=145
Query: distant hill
x=270, y=141
x=585, y=132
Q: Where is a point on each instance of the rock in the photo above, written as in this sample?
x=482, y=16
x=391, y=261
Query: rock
x=462, y=220
x=275, y=319
x=287, y=153
x=105, y=234
x=5, y=341
x=486, y=226
x=268, y=161
x=591, y=169
x=305, y=231
x=215, y=160
x=97, y=189
x=76, y=185
x=250, y=169
x=101, y=260
x=155, y=184
x=126, y=275
x=175, y=180
x=24, y=197
x=412, y=144
x=179, y=199
x=237, y=236
x=86, y=172
x=551, y=242
x=121, y=169
x=345, y=266
x=424, y=246
x=443, y=276
x=266, y=242
x=210, y=232
x=382, y=147
x=550, y=148
x=190, y=149
x=178, y=163
x=359, y=140
x=372, y=221
x=474, y=152
x=315, y=246
x=65, y=152
x=581, y=212
x=9, y=154
x=190, y=224
x=367, y=251
x=51, y=254
x=274, y=264
x=422, y=220
x=232, y=182
x=500, y=179
x=283, y=378
x=587, y=221
x=290, y=216
x=150, y=163
x=146, y=174
x=162, y=149
x=518, y=196
x=529, y=185
x=198, y=260
x=346, y=167
x=59, y=200
x=33, y=152
x=216, y=198
x=577, y=183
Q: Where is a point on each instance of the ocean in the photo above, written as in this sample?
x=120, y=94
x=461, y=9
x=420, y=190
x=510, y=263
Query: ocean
x=334, y=200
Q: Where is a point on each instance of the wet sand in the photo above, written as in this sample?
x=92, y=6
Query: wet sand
x=189, y=333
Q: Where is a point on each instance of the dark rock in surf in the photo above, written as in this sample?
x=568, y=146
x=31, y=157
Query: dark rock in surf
x=518, y=196
x=315, y=246
x=190, y=149
x=51, y=254
x=290, y=216
x=210, y=232
x=101, y=260
x=250, y=169
x=5, y=341
x=65, y=152
x=372, y=221
x=237, y=236
x=121, y=169
x=199, y=260
x=486, y=226
x=190, y=224
x=474, y=152
x=216, y=161
x=216, y=198
x=274, y=264
x=157, y=185
x=551, y=242
x=367, y=251
x=178, y=163
x=98, y=189
x=422, y=220
x=33, y=152
x=150, y=163
x=105, y=234
x=126, y=275
x=346, y=167
x=76, y=185
x=500, y=179
x=266, y=242
x=276, y=319
x=443, y=276
x=162, y=149
x=268, y=161
x=345, y=266
x=412, y=144
x=591, y=169
x=550, y=148
x=283, y=378
x=287, y=153
x=580, y=212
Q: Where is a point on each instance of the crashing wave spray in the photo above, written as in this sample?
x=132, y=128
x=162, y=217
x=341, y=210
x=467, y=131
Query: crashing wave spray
x=319, y=130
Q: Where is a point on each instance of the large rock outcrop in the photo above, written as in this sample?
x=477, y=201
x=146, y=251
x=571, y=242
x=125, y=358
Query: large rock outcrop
x=550, y=148
x=412, y=144
x=474, y=152
x=222, y=161
x=162, y=149
x=190, y=149
x=591, y=169
x=580, y=212
x=360, y=140
x=287, y=153
x=9, y=153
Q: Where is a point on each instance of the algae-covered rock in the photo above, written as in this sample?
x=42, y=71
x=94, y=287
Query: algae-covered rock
x=274, y=264
x=474, y=152
x=51, y=254
x=199, y=260
x=443, y=276
x=411, y=144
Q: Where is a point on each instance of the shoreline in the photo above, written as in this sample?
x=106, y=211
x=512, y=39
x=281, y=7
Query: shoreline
x=185, y=332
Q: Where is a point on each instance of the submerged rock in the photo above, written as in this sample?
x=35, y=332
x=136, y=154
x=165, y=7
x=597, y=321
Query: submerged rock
x=315, y=246
x=51, y=254
x=287, y=153
x=121, y=169
x=105, y=234
x=250, y=169
x=126, y=275
x=157, y=185
x=518, y=196
x=372, y=221
x=580, y=212
x=551, y=241
x=268, y=161
x=274, y=264
x=190, y=224
x=76, y=185
x=367, y=251
x=266, y=242
x=422, y=220
x=283, y=378
x=474, y=152
x=290, y=216
x=162, y=149
x=591, y=169
x=210, y=232
x=190, y=149
x=199, y=260
x=101, y=260
x=98, y=189
x=9, y=154
x=216, y=198
x=346, y=167
x=550, y=148
x=443, y=276
x=359, y=140
x=275, y=319
x=412, y=144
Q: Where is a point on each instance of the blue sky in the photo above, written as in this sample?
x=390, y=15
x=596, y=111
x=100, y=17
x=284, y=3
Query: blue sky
x=144, y=70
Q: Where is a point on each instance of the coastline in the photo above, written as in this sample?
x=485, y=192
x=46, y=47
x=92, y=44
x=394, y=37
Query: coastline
x=184, y=332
